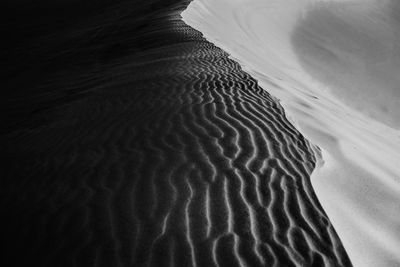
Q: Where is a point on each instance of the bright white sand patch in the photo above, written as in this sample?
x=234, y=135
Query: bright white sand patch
x=336, y=68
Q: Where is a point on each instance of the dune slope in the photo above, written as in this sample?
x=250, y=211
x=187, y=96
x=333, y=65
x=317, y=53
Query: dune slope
x=334, y=66
x=132, y=141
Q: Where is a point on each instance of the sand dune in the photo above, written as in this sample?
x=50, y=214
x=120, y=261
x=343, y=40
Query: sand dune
x=334, y=65
x=164, y=153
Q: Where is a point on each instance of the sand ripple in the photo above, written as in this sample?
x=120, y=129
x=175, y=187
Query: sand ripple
x=176, y=158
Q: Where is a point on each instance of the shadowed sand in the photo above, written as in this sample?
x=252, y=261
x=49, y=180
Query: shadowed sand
x=130, y=140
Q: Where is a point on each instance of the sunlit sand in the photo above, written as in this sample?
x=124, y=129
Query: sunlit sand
x=335, y=68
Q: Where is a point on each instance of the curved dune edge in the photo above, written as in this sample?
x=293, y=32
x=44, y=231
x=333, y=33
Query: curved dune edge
x=147, y=146
x=357, y=178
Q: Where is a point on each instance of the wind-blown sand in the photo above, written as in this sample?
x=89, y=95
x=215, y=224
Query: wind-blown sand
x=334, y=65
x=129, y=140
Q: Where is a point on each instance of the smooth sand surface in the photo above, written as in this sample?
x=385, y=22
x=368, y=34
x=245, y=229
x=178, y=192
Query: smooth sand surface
x=335, y=67
x=130, y=140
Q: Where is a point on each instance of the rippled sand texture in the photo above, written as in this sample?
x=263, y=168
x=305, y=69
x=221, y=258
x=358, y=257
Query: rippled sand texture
x=147, y=146
x=334, y=65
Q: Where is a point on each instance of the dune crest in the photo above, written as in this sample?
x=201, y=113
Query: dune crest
x=334, y=65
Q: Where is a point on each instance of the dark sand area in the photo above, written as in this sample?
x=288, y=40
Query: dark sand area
x=129, y=140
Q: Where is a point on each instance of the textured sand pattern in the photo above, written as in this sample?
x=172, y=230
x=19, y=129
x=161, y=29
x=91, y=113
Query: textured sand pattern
x=169, y=155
